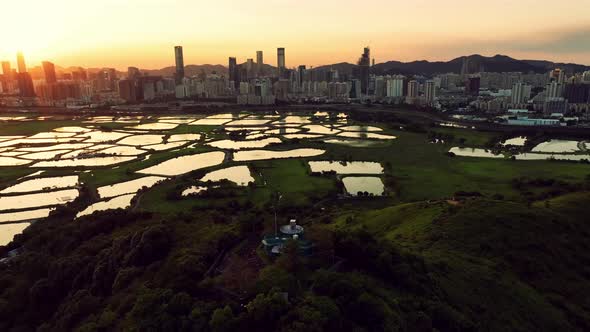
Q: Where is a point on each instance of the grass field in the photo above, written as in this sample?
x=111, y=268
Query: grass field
x=421, y=170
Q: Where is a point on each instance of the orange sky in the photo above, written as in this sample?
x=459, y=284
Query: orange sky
x=119, y=33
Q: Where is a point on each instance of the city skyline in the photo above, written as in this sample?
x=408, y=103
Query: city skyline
x=212, y=32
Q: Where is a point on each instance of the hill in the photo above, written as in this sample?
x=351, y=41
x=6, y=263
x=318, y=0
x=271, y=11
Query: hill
x=497, y=63
x=482, y=265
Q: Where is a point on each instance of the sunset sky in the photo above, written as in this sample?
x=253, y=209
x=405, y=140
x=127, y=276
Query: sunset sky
x=121, y=33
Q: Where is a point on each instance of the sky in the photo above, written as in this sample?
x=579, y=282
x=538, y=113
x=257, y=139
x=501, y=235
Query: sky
x=142, y=33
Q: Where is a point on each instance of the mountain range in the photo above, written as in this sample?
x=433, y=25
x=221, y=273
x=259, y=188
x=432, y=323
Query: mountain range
x=476, y=63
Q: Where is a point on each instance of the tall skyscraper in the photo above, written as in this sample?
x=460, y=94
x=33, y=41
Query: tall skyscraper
x=49, y=69
x=281, y=61
x=20, y=60
x=259, y=63
x=364, y=64
x=179, y=64
x=234, y=72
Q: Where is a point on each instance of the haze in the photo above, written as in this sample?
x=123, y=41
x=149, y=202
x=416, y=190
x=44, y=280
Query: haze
x=142, y=32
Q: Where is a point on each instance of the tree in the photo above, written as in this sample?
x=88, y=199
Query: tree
x=222, y=319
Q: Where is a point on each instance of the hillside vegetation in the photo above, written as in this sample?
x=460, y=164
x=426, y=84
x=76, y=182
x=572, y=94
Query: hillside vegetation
x=480, y=265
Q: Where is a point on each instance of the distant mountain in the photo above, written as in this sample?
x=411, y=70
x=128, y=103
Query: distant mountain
x=476, y=63
x=189, y=70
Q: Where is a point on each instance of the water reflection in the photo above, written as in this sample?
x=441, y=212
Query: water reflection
x=240, y=175
x=371, y=185
x=352, y=167
x=185, y=164
x=268, y=154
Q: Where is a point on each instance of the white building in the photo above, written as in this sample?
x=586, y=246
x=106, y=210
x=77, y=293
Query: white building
x=395, y=87
x=429, y=91
x=521, y=93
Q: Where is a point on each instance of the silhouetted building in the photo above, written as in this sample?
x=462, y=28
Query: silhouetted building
x=301, y=75
x=281, y=62
x=6, y=70
x=25, y=85
x=429, y=92
x=260, y=63
x=413, y=88
x=364, y=64
x=133, y=73
x=577, y=93
x=234, y=72
x=127, y=90
x=472, y=85
x=179, y=64
x=20, y=60
x=79, y=74
x=49, y=70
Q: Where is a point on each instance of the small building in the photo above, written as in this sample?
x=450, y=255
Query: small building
x=273, y=244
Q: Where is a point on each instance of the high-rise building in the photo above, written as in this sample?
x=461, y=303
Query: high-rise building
x=133, y=73
x=127, y=90
x=260, y=63
x=395, y=87
x=557, y=75
x=250, y=68
x=521, y=93
x=472, y=85
x=233, y=72
x=577, y=93
x=364, y=64
x=554, y=90
x=49, y=69
x=8, y=78
x=25, y=85
x=301, y=75
x=429, y=91
x=179, y=64
x=413, y=89
x=20, y=60
x=6, y=70
x=281, y=62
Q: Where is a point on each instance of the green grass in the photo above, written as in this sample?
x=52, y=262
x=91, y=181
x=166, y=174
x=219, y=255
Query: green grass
x=472, y=138
x=291, y=179
x=33, y=127
x=496, y=255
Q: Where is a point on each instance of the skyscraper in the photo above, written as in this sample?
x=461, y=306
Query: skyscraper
x=49, y=69
x=259, y=63
x=179, y=64
x=281, y=61
x=6, y=70
x=233, y=72
x=364, y=64
x=20, y=59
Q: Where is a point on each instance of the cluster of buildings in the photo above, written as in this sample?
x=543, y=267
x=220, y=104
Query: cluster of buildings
x=255, y=83
x=548, y=94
